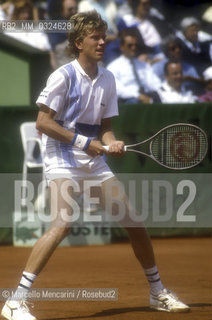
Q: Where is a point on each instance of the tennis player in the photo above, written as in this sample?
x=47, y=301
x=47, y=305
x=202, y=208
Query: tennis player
x=75, y=111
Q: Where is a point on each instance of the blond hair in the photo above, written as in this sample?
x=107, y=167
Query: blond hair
x=83, y=24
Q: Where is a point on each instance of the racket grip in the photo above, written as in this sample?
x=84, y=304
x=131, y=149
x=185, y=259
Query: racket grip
x=107, y=148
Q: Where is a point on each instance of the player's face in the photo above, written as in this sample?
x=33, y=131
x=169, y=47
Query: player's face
x=93, y=45
x=175, y=75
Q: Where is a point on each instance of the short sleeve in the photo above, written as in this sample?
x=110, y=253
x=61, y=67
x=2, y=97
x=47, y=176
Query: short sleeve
x=54, y=94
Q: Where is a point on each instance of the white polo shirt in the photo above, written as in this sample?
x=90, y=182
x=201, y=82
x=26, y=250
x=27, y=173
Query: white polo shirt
x=81, y=104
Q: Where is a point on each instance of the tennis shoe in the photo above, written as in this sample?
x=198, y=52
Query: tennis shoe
x=16, y=310
x=167, y=301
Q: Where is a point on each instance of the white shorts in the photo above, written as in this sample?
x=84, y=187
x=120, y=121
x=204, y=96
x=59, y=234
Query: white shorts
x=97, y=169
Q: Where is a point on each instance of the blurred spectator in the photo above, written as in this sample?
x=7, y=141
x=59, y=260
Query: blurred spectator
x=171, y=90
x=7, y=10
x=24, y=10
x=123, y=9
x=120, y=2
x=173, y=51
x=126, y=8
x=151, y=27
x=60, y=10
x=113, y=50
x=106, y=8
x=41, y=7
x=195, y=51
x=134, y=78
x=207, y=95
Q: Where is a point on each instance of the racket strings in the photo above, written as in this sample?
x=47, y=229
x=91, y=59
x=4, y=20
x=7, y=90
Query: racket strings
x=179, y=147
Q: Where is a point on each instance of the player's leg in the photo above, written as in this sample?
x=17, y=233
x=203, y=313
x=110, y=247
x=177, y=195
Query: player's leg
x=160, y=298
x=58, y=230
x=111, y=191
x=41, y=252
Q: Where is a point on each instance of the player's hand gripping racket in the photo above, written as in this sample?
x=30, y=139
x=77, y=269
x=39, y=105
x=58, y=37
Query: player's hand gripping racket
x=178, y=146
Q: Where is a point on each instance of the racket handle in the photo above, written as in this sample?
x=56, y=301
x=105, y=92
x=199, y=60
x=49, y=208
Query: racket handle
x=107, y=148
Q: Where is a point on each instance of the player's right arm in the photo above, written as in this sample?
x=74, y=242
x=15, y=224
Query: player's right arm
x=45, y=123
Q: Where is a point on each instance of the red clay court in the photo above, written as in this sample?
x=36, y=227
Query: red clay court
x=185, y=266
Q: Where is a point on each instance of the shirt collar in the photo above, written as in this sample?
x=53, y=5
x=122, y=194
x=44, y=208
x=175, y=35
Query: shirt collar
x=77, y=65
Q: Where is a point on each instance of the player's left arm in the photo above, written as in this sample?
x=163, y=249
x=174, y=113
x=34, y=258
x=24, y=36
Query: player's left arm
x=116, y=147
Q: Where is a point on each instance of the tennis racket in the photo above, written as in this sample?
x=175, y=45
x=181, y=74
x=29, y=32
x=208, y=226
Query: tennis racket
x=178, y=146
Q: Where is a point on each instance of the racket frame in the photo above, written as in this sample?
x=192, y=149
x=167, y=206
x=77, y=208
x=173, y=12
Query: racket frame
x=151, y=156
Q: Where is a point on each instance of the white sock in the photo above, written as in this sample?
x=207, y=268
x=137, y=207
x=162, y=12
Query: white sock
x=24, y=286
x=153, y=278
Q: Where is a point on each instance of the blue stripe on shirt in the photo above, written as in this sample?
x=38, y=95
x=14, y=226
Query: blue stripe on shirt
x=74, y=106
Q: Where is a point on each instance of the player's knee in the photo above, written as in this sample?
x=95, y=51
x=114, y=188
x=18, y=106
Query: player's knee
x=58, y=233
x=63, y=232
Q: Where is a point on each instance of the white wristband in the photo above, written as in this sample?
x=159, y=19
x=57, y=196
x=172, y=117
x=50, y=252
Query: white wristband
x=81, y=141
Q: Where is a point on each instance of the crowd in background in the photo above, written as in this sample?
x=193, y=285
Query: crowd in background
x=158, y=50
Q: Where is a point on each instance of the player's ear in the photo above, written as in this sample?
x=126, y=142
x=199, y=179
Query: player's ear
x=78, y=44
